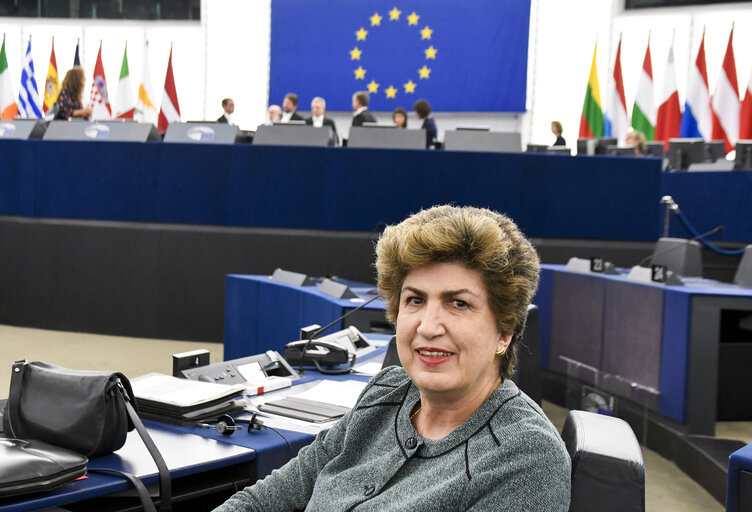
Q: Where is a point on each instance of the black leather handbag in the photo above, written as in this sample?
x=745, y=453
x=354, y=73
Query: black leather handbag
x=31, y=466
x=89, y=412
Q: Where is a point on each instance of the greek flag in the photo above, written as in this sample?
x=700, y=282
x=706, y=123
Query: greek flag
x=28, y=95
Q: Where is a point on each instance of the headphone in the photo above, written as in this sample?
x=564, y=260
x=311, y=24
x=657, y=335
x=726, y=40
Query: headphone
x=226, y=425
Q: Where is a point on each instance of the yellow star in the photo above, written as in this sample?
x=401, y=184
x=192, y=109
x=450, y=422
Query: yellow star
x=424, y=72
x=410, y=87
x=430, y=52
x=360, y=73
x=376, y=19
x=361, y=34
x=394, y=14
x=373, y=87
x=391, y=92
x=356, y=52
x=424, y=34
x=413, y=19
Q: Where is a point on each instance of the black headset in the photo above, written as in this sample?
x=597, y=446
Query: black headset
x=226, y=425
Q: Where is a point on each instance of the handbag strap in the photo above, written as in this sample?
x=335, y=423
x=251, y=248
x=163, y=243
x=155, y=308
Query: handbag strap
x=14, y=396
x=165, y=488
x=143, y=494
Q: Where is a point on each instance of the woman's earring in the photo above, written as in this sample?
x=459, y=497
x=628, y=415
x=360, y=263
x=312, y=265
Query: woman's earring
x=501, y=352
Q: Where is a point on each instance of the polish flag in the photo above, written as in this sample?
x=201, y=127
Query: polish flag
x=669, y=111
x=745, y=116
x=696, y=119
x=170, y=111
x=725, y=105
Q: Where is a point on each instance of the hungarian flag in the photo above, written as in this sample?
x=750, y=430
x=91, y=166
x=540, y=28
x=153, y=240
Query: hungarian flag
x=52, y=83
x=8, y=107
x=146, y=104
x=725, y=104
x=124, y=106
x=696, y=119
x=591, y=122
x=643, y=112
x=615, y=116
x=100, y=100
x=170, y=111
x=745, y=117
x=669, y=111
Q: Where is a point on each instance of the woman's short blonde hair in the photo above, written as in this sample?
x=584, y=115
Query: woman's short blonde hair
x=480, y=239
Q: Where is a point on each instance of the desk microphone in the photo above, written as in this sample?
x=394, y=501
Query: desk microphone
x=713, y=231
x=318, y=332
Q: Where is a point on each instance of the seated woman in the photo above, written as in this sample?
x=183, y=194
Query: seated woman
x=69, y=101
x=637, y=139
x=399, y=117
x=450, y=431
x=423, y=110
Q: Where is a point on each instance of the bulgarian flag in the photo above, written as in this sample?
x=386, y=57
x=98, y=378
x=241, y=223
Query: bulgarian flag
x=52, y=83
x=170, y=111
x=591, y=122
x=725, y=105
x=643, y=112
x=669, y=112
x=8, y=106
x=124, y=106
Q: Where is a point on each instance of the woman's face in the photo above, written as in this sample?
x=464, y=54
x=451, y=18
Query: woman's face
x=447, y=336
x=400, y=119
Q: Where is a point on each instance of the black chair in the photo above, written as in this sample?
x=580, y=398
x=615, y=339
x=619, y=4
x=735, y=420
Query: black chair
x=608, y=472
x=681, y=256
x=743, y=275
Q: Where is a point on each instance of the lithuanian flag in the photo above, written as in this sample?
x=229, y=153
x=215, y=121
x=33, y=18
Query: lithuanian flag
x=591, y=122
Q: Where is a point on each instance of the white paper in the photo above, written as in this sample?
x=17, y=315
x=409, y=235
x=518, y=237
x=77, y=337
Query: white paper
x=369, y=368
x=182, y=392
x=344, y=393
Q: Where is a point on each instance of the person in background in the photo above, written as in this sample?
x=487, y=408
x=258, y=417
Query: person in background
x=228, y=105
x=399, y=116
x=450, y=430
x=360, y=109
x=318, y=119
x=423, y=110
x=275, y=114
x=637, y=139
x=290, y=108
x=69, y=101
x=557, y=130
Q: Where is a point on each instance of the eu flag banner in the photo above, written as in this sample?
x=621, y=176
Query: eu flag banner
x=460, y=56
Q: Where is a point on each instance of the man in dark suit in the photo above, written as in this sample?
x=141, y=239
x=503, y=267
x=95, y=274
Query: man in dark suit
x=290, y=107
x=229, y=107
x=360, y=109
x=318, y=119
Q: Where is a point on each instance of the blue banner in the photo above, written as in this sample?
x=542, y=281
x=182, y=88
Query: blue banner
x=469, y=55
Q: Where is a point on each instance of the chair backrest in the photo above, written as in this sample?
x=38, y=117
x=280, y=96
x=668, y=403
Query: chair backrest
x=739, y=488
x=679, y=255
x=608, y=472
x=743, y=276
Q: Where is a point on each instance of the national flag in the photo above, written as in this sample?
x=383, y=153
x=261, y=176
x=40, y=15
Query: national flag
x=643, y=112
x=99, y=99
x=124, y=106
x=669, y=110
x=745, y=116
x=8, y=107
x=591, y=121
x=146, y=109
x=615, y=117
x=461, y=56
x=696, y=120
x=725, y=106
x=52, y=83
x=170, y=111
x=28, y=94
x=76, y=59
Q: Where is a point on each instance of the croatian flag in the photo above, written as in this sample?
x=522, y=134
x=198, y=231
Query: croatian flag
x=725, y=105
x=615, y=119
x=696, y=119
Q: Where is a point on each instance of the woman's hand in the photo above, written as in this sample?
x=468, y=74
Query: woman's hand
x=83, y=112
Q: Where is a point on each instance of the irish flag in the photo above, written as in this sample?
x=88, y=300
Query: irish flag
x=643, y=112
x=52, y=83
x=591, y=122
x=669, y=112
x=725, y=103
x=8, y=106
x=170, y=111
x=124, y=106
